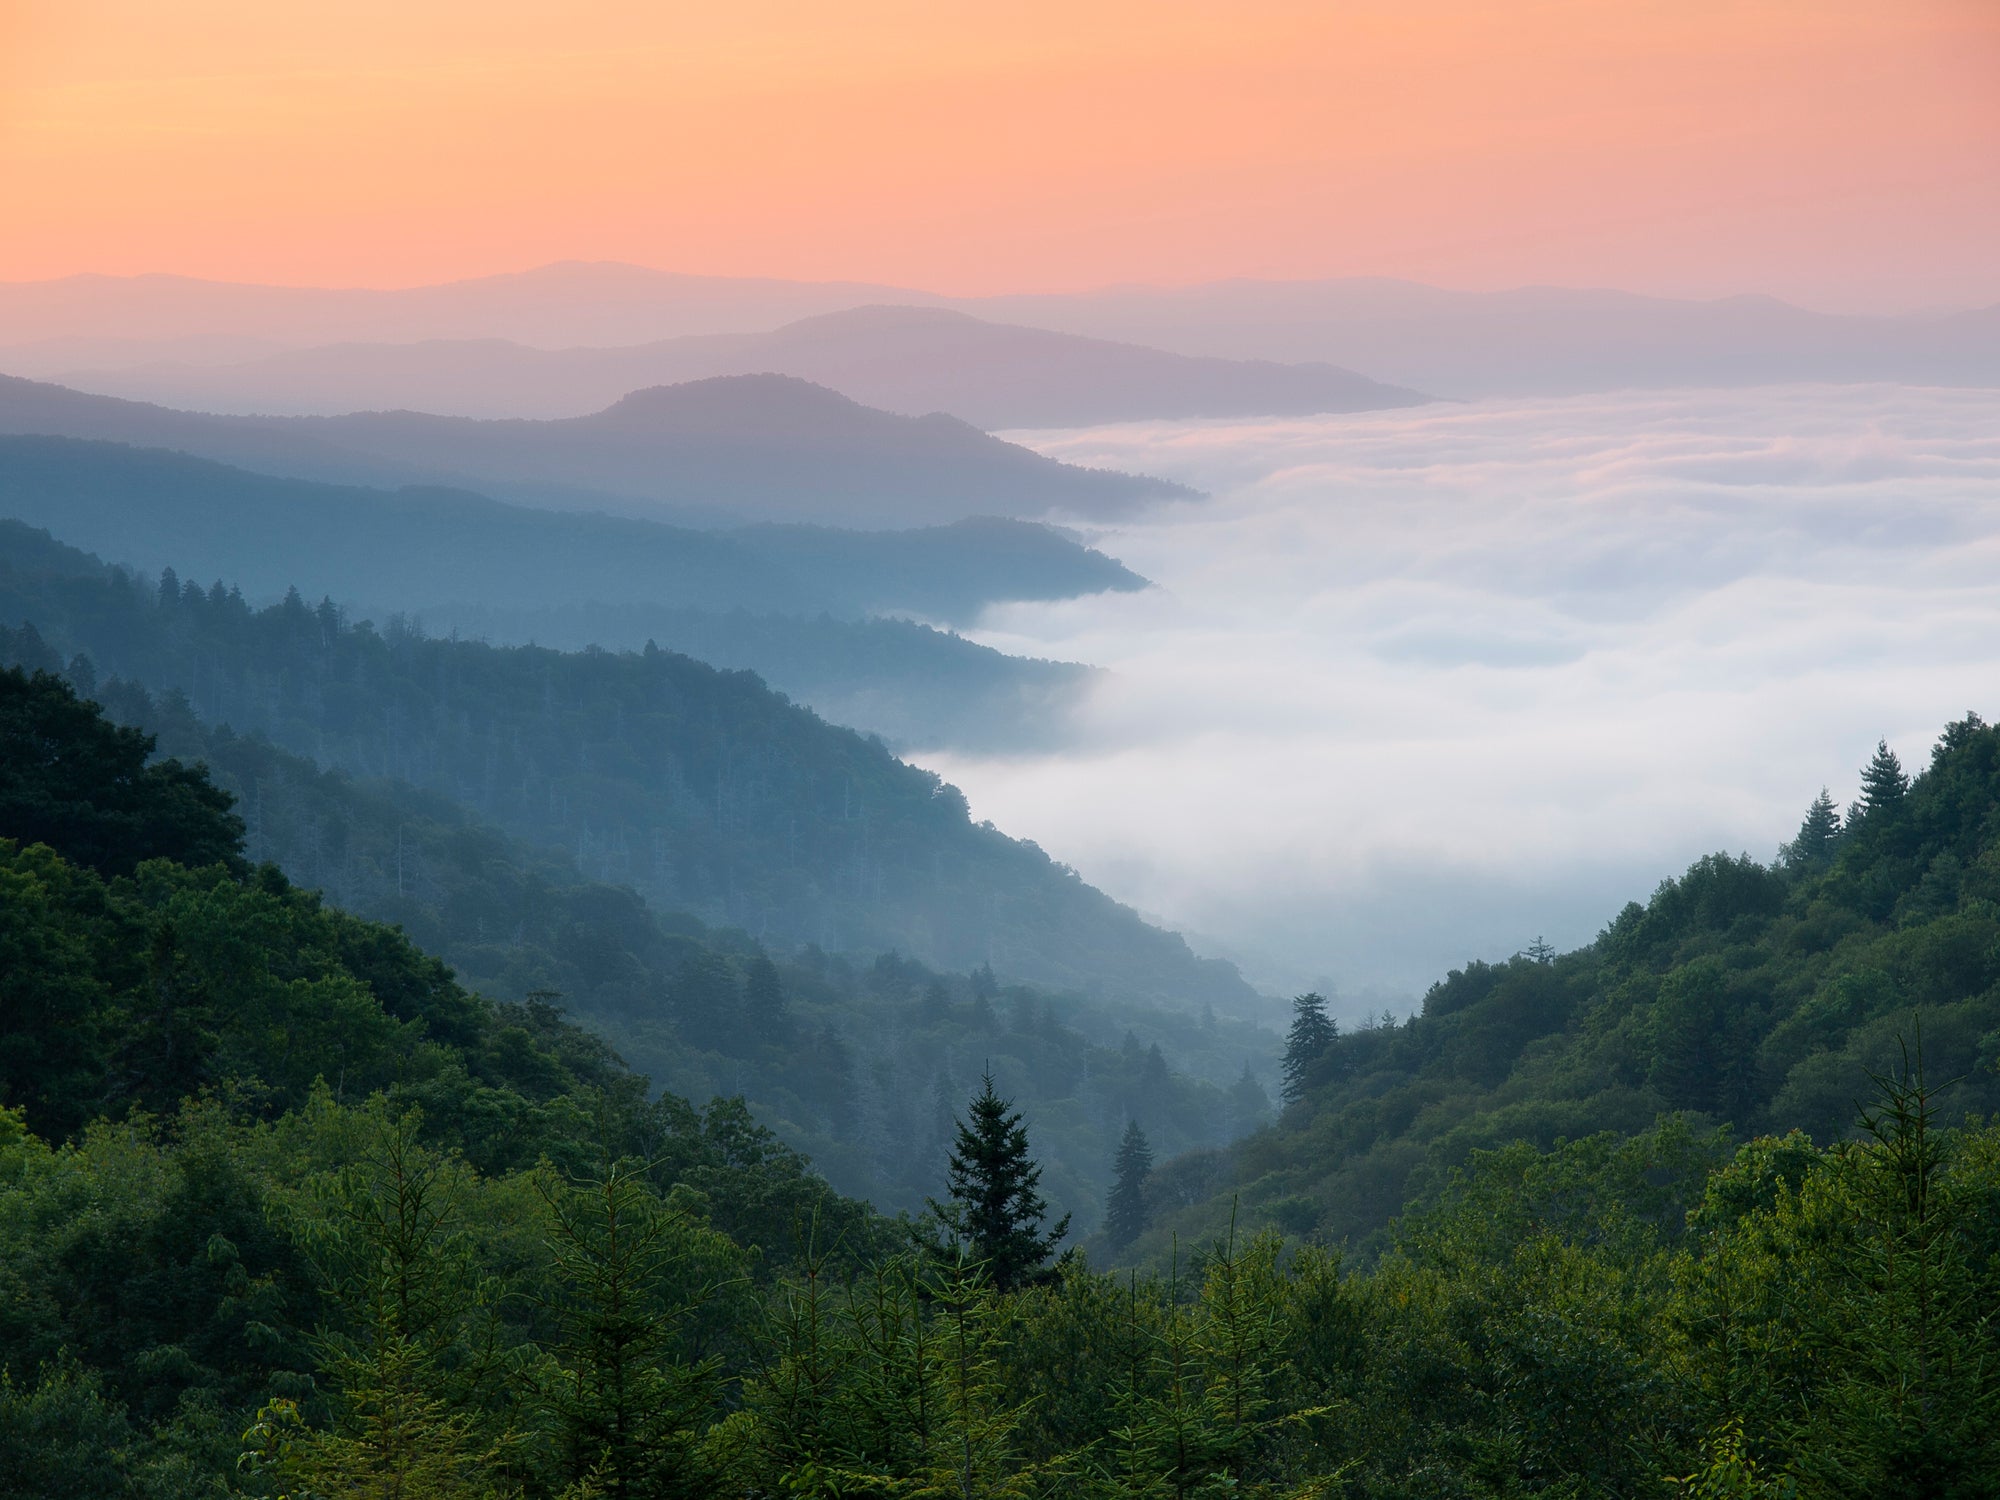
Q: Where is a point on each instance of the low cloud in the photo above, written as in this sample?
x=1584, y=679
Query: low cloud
x=1416, y=687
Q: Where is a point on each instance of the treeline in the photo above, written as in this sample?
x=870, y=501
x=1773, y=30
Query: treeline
x=1762, y=996
x=702, y=790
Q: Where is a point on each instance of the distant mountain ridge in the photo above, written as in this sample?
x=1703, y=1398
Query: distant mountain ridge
x=1528, y=340
x=912, y=360
x=414, y=548
x=700, y=789
x=735, y=449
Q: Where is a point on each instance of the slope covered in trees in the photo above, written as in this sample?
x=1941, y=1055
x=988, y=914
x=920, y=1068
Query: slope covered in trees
x=855, y=1060
x=409, y=549
x=285, y=1210
x=1759, y=996
x=702, y=790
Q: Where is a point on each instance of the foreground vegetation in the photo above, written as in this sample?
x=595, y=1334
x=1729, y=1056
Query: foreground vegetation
x=285, y=1210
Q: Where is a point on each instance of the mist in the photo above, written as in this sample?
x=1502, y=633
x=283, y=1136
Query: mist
x=1418, y=687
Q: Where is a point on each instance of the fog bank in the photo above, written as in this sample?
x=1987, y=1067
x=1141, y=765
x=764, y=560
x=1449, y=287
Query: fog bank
x=1416, y=687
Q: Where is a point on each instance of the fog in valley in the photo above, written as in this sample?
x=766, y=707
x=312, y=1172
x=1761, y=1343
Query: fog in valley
x=1419, y=686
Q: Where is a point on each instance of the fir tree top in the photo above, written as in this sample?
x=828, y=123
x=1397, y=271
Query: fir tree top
x=1125, y=1212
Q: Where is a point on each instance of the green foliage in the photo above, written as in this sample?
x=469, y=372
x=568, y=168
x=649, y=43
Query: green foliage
x=994, y=1213
x=1126, y=1211
x=1311, y=1037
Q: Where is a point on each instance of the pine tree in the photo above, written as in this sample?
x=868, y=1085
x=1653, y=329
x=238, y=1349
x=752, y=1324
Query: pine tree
x=1883, y=783
x=1125, y=1213
x=1311, y=1035
x=1818, y=834
x=994, y=1208
x=1249, y=1105
x=765, y=1011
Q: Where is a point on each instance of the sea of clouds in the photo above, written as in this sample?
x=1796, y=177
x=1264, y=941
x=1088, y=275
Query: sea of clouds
x=1417, y=687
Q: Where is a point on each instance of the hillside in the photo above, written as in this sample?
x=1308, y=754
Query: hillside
x=727, y=451
x=913, y=685
x=703, y=790
x=902, y=359
x=288, y=1210
x=1760, y=997
x=409, y=549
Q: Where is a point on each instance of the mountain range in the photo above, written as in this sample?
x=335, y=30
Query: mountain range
x=912, y=360
x=722, y=451
x=1453, y=343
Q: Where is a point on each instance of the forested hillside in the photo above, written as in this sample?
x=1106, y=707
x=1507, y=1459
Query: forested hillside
x=404, y=550
x=1761, y=997
x=286, y=1211
x=702, y=790
x=912, y=684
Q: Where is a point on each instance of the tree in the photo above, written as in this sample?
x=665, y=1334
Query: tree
x=80, y=784
x=1249, y=1105
x=765, y=1010
x=1817, y=837
x=1312, y=1034
x=994, y=1207
x=1883, y=783
x=1125, y=1213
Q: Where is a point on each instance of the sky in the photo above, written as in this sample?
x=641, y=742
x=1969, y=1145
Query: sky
x=1417, y=687
x=1841, y=153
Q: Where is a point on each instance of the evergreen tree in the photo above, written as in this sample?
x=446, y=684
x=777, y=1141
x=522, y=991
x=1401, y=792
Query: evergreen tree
x=1248, y=1103
x=1818, y=834
x=1125, y=1213
x=765, y=1010
x=1312, y=1033
x=1883, y=783
x=994, y=1208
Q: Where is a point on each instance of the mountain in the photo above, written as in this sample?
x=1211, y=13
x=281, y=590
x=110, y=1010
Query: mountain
x=915, y=686
x=406, y=550
x=1523, y=341
x=703, y=791
x=722, y=451
x=901, y=359
x=1759, y=997
x=1527, y=341
x=567, y=303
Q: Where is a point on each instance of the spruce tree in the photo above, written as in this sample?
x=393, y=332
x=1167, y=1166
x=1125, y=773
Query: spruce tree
x=1818, y=834
x=1125, y=1214
x=994, y=1208
x=1882, y=780
x=1248, y=1103
x=1312, y=1033
x=765, y=1010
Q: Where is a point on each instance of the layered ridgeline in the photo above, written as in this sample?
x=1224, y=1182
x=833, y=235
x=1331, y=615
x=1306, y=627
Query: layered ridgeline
x=702, y=790
x=859, y=1061
x=803, y=606
x=412, y=549
x=1763, y=997
x=285, y=1210
x=728, y=451
x=899, y=358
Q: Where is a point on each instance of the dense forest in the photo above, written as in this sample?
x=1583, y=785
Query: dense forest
x=410, y=549
x=854, y=1060
x=1764, y=997
x=912, y=684
x=702, y=790
x=287, y=1210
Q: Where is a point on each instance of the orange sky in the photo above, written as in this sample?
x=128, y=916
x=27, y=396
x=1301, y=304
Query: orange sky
x=1841, y=152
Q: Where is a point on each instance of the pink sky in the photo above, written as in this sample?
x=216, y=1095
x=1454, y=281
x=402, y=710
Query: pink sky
x=1842, y=153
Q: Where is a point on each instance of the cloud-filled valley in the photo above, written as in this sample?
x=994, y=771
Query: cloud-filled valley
x=1416, y=687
